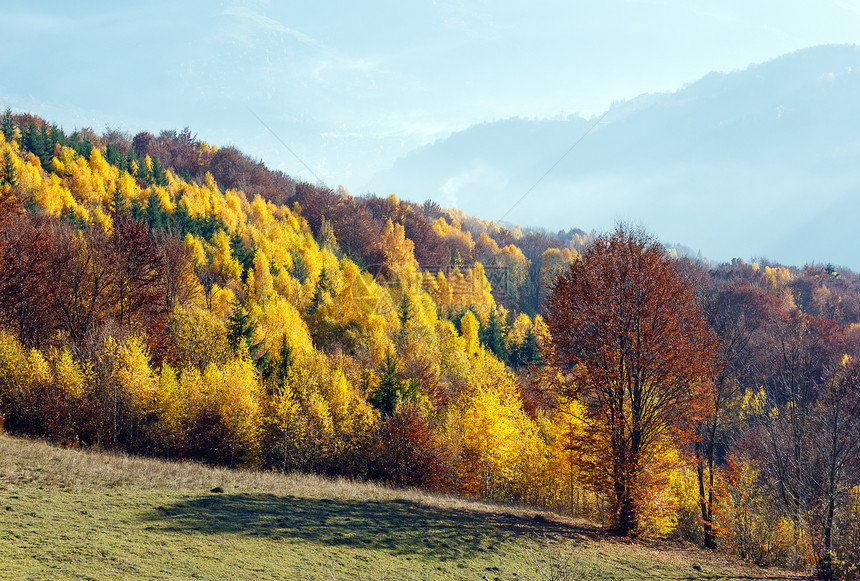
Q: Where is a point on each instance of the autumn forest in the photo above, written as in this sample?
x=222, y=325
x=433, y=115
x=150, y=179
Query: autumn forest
x=170, y=298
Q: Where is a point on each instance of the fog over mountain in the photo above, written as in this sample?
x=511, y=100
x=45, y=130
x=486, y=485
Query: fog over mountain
x=759, y=163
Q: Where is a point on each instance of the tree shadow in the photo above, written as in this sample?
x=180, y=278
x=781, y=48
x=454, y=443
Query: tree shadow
x=401, y=527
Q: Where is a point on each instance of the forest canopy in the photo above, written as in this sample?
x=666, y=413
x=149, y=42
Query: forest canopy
x=168, y=297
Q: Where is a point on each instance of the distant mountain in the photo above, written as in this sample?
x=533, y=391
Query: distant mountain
x=763, y=162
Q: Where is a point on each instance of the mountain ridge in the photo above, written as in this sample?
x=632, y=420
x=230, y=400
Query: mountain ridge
x=732, y=163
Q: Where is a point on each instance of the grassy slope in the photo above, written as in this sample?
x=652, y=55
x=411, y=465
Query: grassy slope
x=69, y=514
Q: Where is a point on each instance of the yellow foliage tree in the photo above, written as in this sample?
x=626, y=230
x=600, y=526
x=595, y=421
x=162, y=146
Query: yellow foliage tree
x=71, y=379
x=399, y=251
x=222, y=417
x=146, y=406
x=221, y=258
x=283, y=426
x=282, y=319
x=263, y=283
x=469, y=326
x=199, y=337
x=502, y=453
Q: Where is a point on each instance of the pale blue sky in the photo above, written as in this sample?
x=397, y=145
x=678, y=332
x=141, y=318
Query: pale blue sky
x=352, y=86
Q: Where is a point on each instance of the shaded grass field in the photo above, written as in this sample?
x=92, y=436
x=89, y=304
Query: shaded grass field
x=70, y=514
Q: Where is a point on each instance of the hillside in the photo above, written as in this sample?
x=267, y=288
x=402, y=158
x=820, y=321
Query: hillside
x=72, y=514
x=166, y=297
x=752, y=163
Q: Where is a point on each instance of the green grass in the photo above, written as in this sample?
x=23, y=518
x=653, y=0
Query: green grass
x=70, y=514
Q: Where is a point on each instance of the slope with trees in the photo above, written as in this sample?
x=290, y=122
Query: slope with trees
x=166, y=297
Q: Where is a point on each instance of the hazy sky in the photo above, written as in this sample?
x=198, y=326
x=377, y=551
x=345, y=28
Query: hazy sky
x=352, y=86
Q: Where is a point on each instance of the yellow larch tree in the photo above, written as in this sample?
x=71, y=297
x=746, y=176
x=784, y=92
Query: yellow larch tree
x=459, y=240
x=229, y=395
x=263, y=284
x=469, y=326
x=282, y=320
x=399, y=252
x=221, y=258
x=480, y=291
x=199, y=336
x=70, y=377
x=502, y=450
x=230, y=210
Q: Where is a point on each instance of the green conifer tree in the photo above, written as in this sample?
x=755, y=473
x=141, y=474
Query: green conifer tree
x=52, y=136
x=7, y=172
x=115, y=157
x=300, y=267
x=528, y=352
x=7, y=125
x=241, y=329
x=323, y=285
x=144, y=174
x=154, y=212
x=131, y=159
x=391, y=390
x=159, y=174
x=119, y=205
x=181, y=222
x=492, y=337
x=33, y=141
x=404, y=312
x=244, y=253
x=285, y=361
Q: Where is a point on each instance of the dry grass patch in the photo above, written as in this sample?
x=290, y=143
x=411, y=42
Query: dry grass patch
x=34, y=463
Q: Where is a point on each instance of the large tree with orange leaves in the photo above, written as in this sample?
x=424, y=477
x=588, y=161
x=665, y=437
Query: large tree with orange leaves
x=631, y=342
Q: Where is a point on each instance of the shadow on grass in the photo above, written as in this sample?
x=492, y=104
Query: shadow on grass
x=401, y=527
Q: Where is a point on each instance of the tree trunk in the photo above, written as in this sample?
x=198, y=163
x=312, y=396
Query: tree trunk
x=825, y=564
x=627, y=517
x=705, y=504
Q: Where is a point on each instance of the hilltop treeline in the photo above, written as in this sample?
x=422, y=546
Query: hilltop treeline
x=172, y=298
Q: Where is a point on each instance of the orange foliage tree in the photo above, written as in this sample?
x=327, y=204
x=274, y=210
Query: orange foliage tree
x=629, y=335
